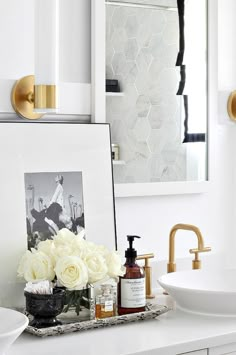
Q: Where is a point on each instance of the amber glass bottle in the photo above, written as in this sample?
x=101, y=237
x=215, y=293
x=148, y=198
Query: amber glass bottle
x=105, y=303
x=131, y=287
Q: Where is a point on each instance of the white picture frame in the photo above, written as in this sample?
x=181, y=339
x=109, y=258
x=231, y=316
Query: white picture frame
x=44, y=147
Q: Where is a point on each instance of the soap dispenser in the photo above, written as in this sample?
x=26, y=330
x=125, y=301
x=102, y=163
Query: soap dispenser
x=131, y=286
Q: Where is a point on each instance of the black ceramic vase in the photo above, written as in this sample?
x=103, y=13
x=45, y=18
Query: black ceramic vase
x=45, y=308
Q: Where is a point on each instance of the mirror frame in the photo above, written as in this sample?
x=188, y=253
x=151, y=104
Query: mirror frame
x=99, y=102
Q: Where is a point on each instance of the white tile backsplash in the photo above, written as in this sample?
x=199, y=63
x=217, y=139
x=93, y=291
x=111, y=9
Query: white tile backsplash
x=142, y=47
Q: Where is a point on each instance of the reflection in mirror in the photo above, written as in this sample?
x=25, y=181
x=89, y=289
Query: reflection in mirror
x=156, y=58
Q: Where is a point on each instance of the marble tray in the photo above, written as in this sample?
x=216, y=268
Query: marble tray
x=153, y=311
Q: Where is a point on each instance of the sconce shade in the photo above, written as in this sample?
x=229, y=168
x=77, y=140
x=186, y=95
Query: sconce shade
x=46, y=55
x=33, y=96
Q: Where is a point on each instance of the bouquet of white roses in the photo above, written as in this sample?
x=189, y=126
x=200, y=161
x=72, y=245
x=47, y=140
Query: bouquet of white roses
x=70, y=261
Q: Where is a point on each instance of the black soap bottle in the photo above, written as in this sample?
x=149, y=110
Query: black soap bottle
x=131, y=286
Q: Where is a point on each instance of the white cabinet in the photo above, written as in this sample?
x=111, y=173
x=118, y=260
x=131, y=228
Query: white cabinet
x=228, y=349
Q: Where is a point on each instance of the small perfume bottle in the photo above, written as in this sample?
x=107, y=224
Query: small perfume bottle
x=105, y=303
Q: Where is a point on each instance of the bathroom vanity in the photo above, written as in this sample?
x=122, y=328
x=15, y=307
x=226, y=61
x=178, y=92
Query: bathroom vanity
x=173, y=333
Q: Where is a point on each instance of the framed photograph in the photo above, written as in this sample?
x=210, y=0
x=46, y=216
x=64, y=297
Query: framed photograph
x=53, y=200
x=53, y=176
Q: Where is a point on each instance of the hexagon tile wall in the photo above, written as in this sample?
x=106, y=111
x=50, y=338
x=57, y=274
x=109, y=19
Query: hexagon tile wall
x=141, y=52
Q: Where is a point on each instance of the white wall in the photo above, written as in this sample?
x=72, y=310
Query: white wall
x=226, y=37
x=227, y=84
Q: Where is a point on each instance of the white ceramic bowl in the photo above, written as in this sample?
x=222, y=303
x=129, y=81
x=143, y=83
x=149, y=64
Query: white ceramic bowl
x=12, y=324
x=203, y=291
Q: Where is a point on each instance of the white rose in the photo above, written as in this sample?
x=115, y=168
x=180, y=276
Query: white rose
x=64, y=237
x=114, y=264
x=71, y=272
x=79, y=246
x=83, y=248
x=63, y=244
x=102, y=250
x=62, y=250
x=22, y=263
x=48, y=248
x=38, y=267
x=96, y=264
x=68, y=244
x=81, y=234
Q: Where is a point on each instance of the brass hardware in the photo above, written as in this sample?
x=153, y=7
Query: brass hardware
x=196, y=264
x=148, y=273
x=26, y=97
x=45, y=97
x=231, y=106
x=22, y=98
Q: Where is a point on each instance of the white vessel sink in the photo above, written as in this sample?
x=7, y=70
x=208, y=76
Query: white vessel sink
x=12, y=324
x=202, y=291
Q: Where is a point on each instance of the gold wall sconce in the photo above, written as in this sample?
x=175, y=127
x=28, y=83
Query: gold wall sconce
x=231, y=106
x=33, y=101
x=34, y=95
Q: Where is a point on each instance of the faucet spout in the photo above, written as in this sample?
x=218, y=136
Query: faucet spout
x=171, y=266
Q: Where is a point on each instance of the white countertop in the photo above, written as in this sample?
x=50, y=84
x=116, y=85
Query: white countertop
x=169, y=334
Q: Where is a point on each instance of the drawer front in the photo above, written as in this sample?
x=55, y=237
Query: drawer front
x=223, y=350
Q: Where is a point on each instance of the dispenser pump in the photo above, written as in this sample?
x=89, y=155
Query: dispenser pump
x=131, y=252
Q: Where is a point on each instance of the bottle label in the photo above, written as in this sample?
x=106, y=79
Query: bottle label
x=133, y=293
x=108, y=306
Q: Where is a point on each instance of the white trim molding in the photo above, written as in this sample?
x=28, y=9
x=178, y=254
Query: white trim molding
x=161, y=188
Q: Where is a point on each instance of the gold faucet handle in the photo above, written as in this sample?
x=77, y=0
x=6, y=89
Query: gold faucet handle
x=196, y=263
x=147, y=268
x=196, y=250
x=145, y=257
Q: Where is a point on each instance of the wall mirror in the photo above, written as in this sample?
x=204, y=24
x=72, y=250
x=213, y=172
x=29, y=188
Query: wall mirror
x=156, y=62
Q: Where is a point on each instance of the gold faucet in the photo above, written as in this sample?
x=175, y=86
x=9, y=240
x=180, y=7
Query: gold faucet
x=196, y=263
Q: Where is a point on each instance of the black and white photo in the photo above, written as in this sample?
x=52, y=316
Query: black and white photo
x=54, y=200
